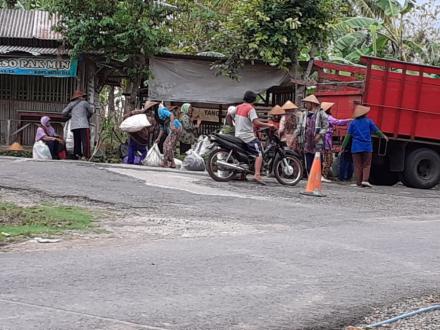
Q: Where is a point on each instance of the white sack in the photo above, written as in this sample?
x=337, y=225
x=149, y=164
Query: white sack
x=154, y=157
x=41, y=151
x=135, y=123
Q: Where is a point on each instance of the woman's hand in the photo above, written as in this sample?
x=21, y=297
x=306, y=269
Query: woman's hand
x=317, y=138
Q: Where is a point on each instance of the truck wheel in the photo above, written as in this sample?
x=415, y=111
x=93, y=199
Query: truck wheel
x=422, y=169
x=381, y=176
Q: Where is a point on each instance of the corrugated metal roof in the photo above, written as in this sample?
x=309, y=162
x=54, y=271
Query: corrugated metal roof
x=28, y=24
x=32, y=50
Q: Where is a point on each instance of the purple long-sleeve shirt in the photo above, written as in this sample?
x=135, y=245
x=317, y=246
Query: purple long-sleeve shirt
x=333, y=122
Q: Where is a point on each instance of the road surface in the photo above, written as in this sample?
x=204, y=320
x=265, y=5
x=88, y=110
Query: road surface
x=180, y=251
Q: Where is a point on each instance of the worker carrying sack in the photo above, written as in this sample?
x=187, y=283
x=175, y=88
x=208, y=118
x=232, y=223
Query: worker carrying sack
x=41, y=151
x=154, y=157
x=135, y=123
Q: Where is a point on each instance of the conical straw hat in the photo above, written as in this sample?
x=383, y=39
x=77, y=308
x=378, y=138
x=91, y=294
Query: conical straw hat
x=312, y=99
x=277, y=111
x=360, y=110
x=15, y=147
x=326, y=106
x=78, y=93
x=289, y=105
x=149, y=104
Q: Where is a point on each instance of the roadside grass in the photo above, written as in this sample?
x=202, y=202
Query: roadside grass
x=17, y=221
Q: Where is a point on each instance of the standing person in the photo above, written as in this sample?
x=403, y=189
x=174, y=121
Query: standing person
x=189, y=130
x=167, y=123
x=80, y=112
x=288, y=124
x=311, y=129
x=359, y=132
x=47, y=134
x=245, y=119
x=328, y=139
x=138, y=141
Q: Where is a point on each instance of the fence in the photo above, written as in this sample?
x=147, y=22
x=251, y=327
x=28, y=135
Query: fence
x=22, y=131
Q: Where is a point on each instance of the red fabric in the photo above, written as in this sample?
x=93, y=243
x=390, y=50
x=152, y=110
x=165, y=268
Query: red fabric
x=62, y=154
x=244, y=109
x=87, y=146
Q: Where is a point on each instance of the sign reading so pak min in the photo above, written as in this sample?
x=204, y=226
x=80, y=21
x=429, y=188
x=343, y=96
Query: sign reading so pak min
x=48, y=67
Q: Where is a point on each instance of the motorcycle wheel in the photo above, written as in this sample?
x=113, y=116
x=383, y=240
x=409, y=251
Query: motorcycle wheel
x=291, y=174
x=213, y=169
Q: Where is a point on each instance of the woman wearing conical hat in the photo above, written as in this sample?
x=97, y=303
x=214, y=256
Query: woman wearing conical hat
x=312, y=127
x=275, y=116
x=327, y=157
x=288, y=124
x=360, y=131
x=80, y=111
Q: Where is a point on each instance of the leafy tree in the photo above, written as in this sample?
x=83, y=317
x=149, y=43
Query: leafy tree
x=386, y=29
x=26, y=4
x=278, y=32
x=124, y=33
x=195, y=23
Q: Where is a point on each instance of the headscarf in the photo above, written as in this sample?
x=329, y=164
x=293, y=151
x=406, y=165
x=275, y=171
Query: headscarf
x=45, y=129
x=184, y=109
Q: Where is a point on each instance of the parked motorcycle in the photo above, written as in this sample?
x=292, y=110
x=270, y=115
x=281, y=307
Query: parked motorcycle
x=230, y=156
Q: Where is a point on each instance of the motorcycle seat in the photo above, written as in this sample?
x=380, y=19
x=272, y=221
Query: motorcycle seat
x=233, y=140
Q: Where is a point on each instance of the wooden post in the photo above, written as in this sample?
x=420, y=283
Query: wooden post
x=8, y=132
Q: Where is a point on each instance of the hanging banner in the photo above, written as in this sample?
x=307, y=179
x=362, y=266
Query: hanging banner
x=48, y=67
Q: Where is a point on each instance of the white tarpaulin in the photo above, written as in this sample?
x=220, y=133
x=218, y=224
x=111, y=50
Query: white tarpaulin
x=189, y=80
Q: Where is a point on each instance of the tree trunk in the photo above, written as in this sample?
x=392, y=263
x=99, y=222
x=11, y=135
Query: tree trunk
x=111, y=100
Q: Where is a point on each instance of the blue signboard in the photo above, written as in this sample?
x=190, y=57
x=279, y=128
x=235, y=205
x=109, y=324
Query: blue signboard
x=48, y=67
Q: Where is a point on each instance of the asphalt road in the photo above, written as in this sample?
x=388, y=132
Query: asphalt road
x=185, y=252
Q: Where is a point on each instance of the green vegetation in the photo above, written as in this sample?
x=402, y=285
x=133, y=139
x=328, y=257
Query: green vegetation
x=17, y=221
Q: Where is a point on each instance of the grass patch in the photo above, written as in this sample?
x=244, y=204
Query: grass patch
x=18, y=221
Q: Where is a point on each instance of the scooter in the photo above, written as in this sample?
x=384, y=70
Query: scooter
x=230, y=156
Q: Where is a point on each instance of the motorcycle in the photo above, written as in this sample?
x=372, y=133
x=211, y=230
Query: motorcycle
x=230, y=156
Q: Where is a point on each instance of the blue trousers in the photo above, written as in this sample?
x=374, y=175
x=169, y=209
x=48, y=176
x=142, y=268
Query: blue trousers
x=133, y=149
x=346, y=167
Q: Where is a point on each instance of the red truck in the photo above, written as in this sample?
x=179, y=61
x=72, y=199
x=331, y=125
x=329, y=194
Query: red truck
x=405, y=104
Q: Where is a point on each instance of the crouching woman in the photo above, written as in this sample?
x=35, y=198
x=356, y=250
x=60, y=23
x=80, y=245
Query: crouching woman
x=46, y=133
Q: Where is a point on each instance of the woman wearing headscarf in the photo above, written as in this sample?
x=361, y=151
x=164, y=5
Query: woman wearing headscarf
x=288, y=124
x=189, y=130
x=172, y=128
x=327, y=154
x=47, y=134
x=359, y=132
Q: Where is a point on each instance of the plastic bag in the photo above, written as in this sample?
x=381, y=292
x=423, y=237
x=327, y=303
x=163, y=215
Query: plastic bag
x=68, y=137
x=193, y=162
x=202, y=145
x=178, y=163
x=41, y=151
x=154, y=157
x=135, y=123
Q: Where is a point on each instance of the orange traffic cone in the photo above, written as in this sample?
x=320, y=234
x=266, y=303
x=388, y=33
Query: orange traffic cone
x=313, y=187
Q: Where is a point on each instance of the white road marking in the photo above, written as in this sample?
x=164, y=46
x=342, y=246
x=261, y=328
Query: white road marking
x=81, y=314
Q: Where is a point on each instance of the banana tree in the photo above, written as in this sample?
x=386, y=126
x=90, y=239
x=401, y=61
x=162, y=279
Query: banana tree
x=379, y=32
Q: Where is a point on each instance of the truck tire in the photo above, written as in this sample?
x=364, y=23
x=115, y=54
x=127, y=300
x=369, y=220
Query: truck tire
x=422, y=169
x=381, y=176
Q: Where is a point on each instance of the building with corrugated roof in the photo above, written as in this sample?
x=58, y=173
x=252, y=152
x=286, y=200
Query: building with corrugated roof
x=37, y=74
